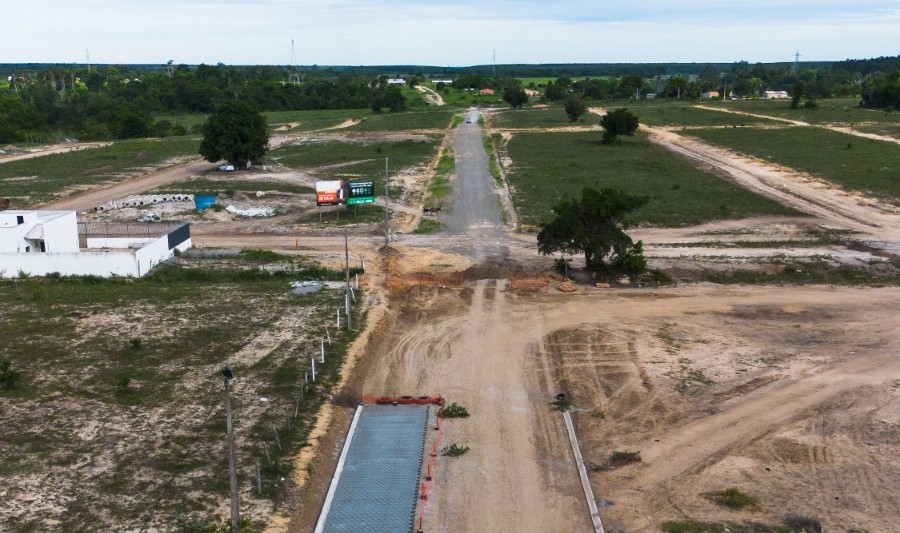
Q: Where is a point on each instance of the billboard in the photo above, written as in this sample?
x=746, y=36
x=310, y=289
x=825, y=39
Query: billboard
x=329, y=192
x=361, y=192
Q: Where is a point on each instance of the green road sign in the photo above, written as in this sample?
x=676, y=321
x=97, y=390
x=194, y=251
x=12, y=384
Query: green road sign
x=361, y=192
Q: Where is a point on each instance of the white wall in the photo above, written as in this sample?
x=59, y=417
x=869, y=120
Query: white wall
x=117, y=242
x=61, y=234
x=102, y=264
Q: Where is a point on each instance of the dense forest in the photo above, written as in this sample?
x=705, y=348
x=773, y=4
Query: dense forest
x=40, y=102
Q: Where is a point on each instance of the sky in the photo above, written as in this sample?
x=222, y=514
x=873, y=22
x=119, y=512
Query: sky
x=445, y=33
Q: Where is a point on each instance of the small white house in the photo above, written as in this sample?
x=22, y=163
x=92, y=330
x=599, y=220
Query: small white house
x=38, y=243
x=396, y=81
x=775, y=95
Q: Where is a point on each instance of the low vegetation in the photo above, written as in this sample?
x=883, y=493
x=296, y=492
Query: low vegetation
x=851, y=162
x=814, y=272
x=414, y=120
x=453, y=410
x=549, y=167
x=120, y=389
x=791, y=524
x=732, y=498
x=553, y=116
x=40, y=179
x=621, y=458
x=455, y=450
x=440, y=186
x=428, y=226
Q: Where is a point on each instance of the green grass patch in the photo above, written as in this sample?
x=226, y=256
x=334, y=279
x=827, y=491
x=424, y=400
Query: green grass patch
x=40, y=179
x=732, y=498
x=684, y=114
x=428, y=226
x=455, y=450
x=440, y=185
x=839, y=110
x=345, y=215
x=852, y=162
x=412, y=120
x=553, y=116
x=315, y=119
x=454, y=410
x=493, y=166
x=337, y=160
x=549, y=167
x=457, y=120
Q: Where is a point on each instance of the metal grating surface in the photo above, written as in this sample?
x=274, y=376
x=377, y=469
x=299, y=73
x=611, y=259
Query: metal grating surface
x=378, y=487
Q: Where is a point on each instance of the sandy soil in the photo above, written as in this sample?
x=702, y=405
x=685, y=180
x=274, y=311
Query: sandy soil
x=431, y=96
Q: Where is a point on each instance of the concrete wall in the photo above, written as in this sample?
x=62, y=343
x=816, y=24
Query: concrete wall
x=102, y=264
x=60, y=231
x=117, y=242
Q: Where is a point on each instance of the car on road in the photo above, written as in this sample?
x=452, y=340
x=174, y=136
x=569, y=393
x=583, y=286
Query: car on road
x=469, y=120
x=227, y=167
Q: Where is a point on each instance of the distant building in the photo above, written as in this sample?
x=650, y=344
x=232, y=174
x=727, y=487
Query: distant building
x=775, y=95
x=38, y=243
x=531, y=93
x=710, y=94
x=445, y=82
x=650, y=96
x=396, y=81
x=486, y=92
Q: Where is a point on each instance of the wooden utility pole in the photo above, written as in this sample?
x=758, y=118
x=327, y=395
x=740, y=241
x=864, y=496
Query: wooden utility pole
x=387, y=188
x=232, y=456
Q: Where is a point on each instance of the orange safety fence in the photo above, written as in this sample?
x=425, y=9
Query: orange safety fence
x=403, y=400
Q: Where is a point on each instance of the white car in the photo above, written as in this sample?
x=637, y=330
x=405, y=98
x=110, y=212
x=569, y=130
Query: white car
x=227, y=167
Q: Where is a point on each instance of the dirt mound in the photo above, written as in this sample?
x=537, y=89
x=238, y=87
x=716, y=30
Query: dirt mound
x=403, y=281
x=493, y=270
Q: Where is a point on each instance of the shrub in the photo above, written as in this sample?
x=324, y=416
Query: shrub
x=732, y=498
x=453, y=410
x=455, y=450
x=9, y=378
x=619, y=458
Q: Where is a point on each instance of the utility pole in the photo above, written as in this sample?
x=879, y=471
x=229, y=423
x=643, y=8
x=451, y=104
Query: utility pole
x=387, y=189
x=232, y=456
x=347, y=272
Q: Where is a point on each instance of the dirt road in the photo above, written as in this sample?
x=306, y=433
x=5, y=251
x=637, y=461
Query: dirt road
x=49, y=150
x=433, y=97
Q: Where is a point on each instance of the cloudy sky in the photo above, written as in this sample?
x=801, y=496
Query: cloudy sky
x=447, y=33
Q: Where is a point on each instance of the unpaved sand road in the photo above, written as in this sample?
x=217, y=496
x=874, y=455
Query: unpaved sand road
x=49, y=150
x=431, y=96
x=87, y=201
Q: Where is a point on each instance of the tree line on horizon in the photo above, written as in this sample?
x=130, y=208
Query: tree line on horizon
x=41, y=102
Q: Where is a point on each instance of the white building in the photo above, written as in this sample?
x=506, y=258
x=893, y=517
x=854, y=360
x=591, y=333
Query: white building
x=38, y=243
x=775, y=95
x=396, y=81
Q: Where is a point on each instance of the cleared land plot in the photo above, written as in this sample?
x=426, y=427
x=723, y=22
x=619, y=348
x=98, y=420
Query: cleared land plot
x=356, y=157
x=43, y=178
x=204, y=185
x=849, y=161
x=315, y=120
x=548, y=167
x=828, y=111
x=415, y=120
x=549, y=117
x=121, y=389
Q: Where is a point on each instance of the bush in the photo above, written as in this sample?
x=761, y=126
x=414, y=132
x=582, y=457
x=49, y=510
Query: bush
x=619, y=458
x=732, y=498
x=453, y=411
x=455, y=450
x=803, y=524
x=9, y=378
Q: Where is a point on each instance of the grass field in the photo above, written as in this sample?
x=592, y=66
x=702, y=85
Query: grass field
x=32, y=181
x=549, y=117
x=412, y=120
x=341, y=160
x=845, y=111
x=314, y=120
x=851, y=162
x=684, y=114
x=120, y=390
x=548, y=167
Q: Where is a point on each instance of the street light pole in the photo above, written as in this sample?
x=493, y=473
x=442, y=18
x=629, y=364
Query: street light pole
x=232, y=455
x=387, y=187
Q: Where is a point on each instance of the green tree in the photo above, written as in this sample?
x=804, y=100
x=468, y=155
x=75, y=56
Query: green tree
x=236, y=132
x=515, y=96
x=594, y=225
x=575, y=107
x=9, y=378
x=618, y=122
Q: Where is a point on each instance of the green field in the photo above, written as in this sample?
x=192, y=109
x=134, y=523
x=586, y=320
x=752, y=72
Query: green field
x=683, y=114
x=851, y=162
x=37, y=180
x=343, y=159
x=845, y=111
x=548, y=117
x=120, y=389
x=314, y=120
x=548, y=167
x=412, y=120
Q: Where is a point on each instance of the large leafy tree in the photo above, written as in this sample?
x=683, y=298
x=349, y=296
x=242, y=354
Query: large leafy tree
x=618, y=122
x=236, y=132
x=595, y=225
